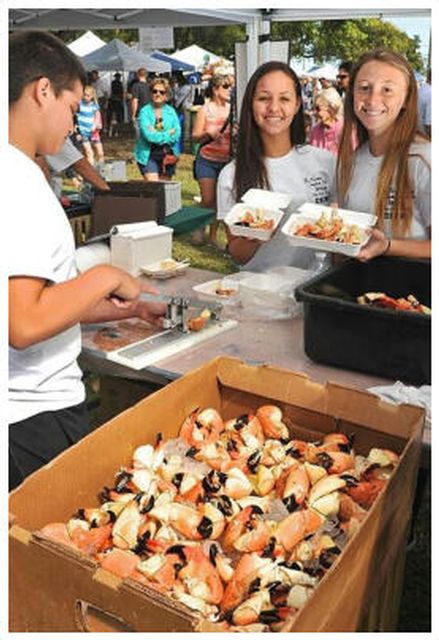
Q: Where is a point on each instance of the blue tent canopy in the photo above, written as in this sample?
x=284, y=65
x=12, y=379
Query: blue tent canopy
x=177, y=65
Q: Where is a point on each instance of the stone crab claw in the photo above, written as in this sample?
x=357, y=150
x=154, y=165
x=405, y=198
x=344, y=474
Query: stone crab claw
x=270, y=418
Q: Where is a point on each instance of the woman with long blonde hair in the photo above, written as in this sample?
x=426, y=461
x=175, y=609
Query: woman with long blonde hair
x=389, y=173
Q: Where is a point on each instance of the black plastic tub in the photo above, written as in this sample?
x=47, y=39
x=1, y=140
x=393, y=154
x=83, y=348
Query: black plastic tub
x=340, y=332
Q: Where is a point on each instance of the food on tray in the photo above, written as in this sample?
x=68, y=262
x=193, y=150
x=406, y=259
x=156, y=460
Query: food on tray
x=378, y=299
x=168, y=264
x=120, y=334
x=199, y=322
x=255, y=220
x=225, y=292
x=238, y=519
x=332, y=228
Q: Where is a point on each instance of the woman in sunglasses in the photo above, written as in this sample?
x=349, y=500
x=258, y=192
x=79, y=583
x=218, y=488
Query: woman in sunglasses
x=212, y=131
x=272, y=154
x=156, y=149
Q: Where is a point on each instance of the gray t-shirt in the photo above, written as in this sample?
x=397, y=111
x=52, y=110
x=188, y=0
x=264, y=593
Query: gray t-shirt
x=64, y=159
x=308, y=174
x=362, y=190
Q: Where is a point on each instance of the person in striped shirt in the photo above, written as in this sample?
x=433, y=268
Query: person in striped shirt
x=89, y=123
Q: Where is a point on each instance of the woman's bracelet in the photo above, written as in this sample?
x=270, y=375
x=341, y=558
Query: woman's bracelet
x=386, y=250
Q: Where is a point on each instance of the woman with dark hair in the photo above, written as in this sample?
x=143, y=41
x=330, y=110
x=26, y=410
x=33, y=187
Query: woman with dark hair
x=212, y=131
x=272, y=154
x=389, y=174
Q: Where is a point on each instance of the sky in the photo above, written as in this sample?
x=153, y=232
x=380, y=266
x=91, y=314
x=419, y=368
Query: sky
x=415, y=27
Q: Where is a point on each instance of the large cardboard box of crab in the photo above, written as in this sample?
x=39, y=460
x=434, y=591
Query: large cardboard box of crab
x=57, y=588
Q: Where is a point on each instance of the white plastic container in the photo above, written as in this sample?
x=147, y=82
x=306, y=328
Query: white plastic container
x=271, y=295
x=208, y=290
x=134, y=245
x=90, y=255
x=269, y=203
x=114, y=170
x=172, y=196
x=311, y=212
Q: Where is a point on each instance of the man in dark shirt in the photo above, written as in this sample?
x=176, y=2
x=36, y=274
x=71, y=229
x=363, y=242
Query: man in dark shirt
x=115, y=103
x=343, y=75
x=140, y=93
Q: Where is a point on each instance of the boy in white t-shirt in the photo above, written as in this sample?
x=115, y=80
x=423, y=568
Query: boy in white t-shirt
x=47, y=297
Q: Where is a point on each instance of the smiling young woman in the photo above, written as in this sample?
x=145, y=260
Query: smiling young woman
x=272, y=154
x=390, y=172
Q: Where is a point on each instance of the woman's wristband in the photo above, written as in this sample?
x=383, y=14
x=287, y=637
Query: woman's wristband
x=386, y=250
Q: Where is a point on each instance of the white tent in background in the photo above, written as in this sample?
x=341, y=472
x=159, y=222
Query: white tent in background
x=323, y=71
x=196, y=55
x=86, y=43
x=117, y=56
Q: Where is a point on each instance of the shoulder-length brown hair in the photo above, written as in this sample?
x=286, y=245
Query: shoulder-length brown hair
x=250, y=167
x=394, y=169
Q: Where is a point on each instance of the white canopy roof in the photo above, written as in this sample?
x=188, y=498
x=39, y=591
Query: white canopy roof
x=129, y=18
x=322, y=71
x=195, y=55
x=117, y=56
x=86, y=43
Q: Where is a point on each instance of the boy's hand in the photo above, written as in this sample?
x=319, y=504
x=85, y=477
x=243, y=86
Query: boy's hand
x=152, y=312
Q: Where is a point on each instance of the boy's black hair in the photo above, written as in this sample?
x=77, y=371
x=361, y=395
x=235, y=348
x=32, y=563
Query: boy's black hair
x=38, y=54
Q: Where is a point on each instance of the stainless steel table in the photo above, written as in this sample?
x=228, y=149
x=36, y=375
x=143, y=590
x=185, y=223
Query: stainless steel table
x=275, y=342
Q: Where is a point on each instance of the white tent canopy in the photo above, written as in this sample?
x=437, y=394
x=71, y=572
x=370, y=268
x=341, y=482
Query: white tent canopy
x=86, y=43
x=128, y=18
x=195, y=55
x=327, y=71
x=117, y=56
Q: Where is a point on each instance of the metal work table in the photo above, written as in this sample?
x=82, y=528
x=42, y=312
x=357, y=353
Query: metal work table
x=275, y=342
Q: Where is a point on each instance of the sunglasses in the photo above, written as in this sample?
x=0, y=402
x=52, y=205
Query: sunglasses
x=342, y=75
x=159, y=92
x=226, y=86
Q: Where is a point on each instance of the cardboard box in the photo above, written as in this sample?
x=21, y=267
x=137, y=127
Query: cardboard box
x=53, y=588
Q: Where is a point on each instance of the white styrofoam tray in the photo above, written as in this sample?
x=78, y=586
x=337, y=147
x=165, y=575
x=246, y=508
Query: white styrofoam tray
x=163, y=269
x=310, y=212
x=207, y=290
x=235, y=215
x=271, y=202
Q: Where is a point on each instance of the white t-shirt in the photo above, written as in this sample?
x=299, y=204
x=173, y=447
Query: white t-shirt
x=64, y=159
x=45, y=376
x=424, y=105
x=362, y=189
x=308, y=174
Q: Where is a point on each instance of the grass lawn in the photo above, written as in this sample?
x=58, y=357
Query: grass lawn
x=203, y=256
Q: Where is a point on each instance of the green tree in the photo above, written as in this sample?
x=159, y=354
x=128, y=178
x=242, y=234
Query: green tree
x=346, y=39
x=220, y=40
x=318, y=39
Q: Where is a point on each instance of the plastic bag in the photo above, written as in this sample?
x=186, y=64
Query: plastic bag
x=399, y=393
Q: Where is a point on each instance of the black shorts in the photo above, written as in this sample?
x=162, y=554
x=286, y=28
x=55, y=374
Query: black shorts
x=37, y=440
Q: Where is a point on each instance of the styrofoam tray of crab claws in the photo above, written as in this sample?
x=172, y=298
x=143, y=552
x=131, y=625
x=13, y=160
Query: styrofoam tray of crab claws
x=258, y=215
x=329, y=229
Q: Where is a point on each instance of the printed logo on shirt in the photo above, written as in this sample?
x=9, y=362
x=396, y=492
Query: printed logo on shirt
x=319, y=187
x=390, y=204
